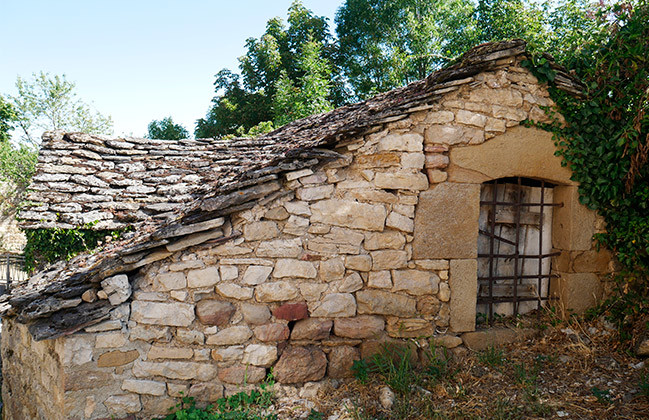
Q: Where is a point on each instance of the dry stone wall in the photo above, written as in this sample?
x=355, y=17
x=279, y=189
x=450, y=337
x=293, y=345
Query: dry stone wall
x=315, y=279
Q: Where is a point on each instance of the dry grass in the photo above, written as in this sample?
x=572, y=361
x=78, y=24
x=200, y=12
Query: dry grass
x=569, y=371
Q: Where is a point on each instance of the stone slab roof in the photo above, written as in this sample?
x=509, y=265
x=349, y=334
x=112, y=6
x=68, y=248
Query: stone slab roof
x=179, y=193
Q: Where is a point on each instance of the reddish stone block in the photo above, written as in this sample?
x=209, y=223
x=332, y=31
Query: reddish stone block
x=291, y=311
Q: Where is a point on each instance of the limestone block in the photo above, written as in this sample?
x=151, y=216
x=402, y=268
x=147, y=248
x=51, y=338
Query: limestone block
x=521, y=151
x=380, y=279
x=229, y=336
x=389, y=259
x=358, y=262
x=255, y=314
x=189, y=336
x=206, y=391
x=577, y=291
x=573, y=225
x=206, y=277
x=170, y=281
x=379, y=160
x=272, y=332
x=276, y=213
x=299, y=208
x=447, y=341
x=256, y=274
x=592, y=261
x=415, y=282
x=349, y=214
x=291, y=176
x=506, y=97
x=214, y=312
x=332, y=269
x=439, y=232
x=260, y=355
x=436, y=161
x=75, y=349
x=409, y=328
x=117, y=288
x=412, y=160
x=428, y=306
x=239, y=374
x=439, y=117
x=408, y=142
x=463, y=282
x=495, y=337
x=123, y=404
x=185, y=265
x=334, y=305
x=177, y=390
x=227, y=354
x=351, y=283
x=259, y=231
x=234, y=291
x=385, y=303
x=495, y=125
x=144, y=387
x=360, y=327
x=150, y=333
x=276, y=292
x=175, y=370
x=401, y=180
x=400, y=222
x=160, y=352
x=435, y=176
x=117, y=358
x=470, y=118
x=300, y=364
x=444, y=292
x=160, y=313
x=296, y=225
x=110, y=339
x=84, y=379
x=388, y=239
x=295, y=268
x=312, y=291
x=314, y=193
x=280, y=248
x=341, y=360
x=311, y=329
x=453, y=134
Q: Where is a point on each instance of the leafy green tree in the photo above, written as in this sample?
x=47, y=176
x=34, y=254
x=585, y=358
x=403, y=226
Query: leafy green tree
x=389, y=43
x=311, y=97
x=166, y=129
x=50, y=103
x=8, y=120
x=245, y=100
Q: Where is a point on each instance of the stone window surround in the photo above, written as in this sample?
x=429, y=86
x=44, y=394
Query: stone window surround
x=525, y=152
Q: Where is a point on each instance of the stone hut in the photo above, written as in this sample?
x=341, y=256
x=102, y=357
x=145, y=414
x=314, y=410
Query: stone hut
x=302, y=250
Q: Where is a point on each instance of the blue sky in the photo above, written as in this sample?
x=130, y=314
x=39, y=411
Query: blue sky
x=135, y=60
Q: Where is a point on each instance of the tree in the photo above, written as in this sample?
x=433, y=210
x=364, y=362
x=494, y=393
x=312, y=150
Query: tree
x=8, y=120
x=50, y=103
x=245, y=100
x=389, y=43
x=311, y=97
x=165, y=129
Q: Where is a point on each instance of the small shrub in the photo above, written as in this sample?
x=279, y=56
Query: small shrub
x=360, y=370
x=602, y=395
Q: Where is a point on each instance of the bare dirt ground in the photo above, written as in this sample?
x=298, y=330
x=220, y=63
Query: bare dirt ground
x=569, y=370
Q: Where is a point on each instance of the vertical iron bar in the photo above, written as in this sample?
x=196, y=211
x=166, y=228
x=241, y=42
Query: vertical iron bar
x=541, y=218
x=491, y=249
x=517, y=221
x=8, y=279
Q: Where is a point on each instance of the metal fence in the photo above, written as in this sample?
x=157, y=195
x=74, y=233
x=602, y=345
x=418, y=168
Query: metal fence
x=11, y=271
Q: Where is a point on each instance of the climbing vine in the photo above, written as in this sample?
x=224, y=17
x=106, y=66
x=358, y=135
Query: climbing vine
x=52, y=245
x=605, y=142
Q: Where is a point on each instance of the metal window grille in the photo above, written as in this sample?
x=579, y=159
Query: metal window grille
x=11, y=271
x=513, y=213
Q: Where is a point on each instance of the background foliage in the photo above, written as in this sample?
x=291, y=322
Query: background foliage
x=605, y=141
x=166, y=129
